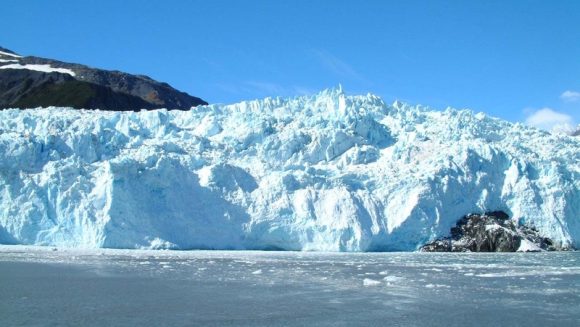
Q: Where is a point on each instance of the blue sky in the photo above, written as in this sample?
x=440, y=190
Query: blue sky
x=518, y=60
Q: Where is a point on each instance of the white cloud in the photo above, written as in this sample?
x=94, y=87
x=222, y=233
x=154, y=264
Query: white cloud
x=259, y=89
x=549, y=119
x=338, y=66
x=570, y=96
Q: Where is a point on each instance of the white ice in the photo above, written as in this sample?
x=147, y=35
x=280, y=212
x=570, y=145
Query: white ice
x=327, y=172
x=527, y=246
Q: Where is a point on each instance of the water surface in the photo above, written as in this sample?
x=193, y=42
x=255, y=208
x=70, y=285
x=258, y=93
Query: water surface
x=40, y=287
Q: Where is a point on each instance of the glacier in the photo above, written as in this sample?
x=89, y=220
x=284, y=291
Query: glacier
x=326, y=172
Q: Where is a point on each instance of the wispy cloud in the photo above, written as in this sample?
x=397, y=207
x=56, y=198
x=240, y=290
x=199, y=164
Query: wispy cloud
x=570, y=96
x=338, y=66
x=258, y=89
x=269, y=88
x=549, y=119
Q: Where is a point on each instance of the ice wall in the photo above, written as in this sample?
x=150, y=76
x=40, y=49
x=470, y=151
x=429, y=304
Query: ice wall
x=325, y=172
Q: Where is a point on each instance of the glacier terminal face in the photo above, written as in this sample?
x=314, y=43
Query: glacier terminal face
x=327, y=172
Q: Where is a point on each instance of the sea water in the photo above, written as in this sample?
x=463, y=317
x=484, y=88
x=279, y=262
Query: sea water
x=64, y=287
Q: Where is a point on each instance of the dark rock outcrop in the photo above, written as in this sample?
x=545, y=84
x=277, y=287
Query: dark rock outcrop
x=87, y=87
x=490, y=232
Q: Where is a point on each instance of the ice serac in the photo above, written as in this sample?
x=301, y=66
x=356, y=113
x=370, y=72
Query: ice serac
x=325, y=172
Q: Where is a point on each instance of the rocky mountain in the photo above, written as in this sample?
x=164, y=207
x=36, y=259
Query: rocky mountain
x=491, y=232
x=30, y=82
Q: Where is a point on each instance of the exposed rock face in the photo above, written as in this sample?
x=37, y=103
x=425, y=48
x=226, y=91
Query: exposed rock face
x=30, y=82
x=490, y=232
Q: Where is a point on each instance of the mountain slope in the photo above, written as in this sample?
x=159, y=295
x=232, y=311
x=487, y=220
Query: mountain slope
x=327, y=172
x=29, y=82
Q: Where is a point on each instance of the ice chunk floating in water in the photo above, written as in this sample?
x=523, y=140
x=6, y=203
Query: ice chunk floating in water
x=325, y=172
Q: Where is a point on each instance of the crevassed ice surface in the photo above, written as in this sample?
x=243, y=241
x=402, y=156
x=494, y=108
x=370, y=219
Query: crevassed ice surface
x=328, y=172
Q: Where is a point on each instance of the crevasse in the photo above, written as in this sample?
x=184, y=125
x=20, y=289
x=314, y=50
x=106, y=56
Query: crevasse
x=327, y=172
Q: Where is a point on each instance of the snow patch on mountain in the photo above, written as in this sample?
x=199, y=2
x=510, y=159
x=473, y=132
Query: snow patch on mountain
x=328, y=172
x=3, y=53
x=40, y=68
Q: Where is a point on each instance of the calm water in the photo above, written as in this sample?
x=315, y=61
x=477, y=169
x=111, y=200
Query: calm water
x=40, y=287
